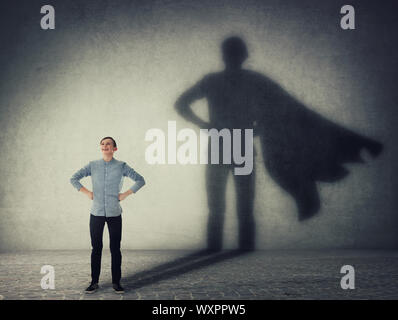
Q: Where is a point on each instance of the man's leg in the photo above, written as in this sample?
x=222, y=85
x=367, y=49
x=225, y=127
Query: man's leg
x=115, y=237
x=216, y=180
x=245, y=185
x=96, y=232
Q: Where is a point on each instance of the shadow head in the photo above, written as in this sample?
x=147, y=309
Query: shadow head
x=234, y=52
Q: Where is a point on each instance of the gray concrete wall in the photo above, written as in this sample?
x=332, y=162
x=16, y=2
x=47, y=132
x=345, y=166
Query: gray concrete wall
x=116, y=68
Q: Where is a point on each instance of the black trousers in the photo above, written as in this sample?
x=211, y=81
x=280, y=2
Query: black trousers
x=115, y=236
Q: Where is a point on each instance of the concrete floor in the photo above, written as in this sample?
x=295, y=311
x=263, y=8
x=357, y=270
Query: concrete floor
x=175, y=275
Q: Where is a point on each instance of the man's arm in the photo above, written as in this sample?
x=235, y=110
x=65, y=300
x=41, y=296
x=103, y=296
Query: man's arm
x=75, y=180
x=183, y=104
x=133, y=175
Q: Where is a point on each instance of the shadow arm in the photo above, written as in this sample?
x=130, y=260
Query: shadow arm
x=183, y=105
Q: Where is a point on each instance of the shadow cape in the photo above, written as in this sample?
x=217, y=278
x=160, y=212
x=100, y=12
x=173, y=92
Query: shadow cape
x=300, y=147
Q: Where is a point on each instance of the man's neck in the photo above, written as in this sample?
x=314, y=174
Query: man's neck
x=233, y=67
x=108, y=158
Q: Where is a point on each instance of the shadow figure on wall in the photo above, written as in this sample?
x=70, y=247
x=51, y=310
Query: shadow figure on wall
x=299, y=146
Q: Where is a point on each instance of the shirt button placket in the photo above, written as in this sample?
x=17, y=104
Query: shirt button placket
x=106, y=166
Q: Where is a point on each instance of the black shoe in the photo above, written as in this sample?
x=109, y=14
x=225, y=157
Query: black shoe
x=118, y=288
x=92, y=288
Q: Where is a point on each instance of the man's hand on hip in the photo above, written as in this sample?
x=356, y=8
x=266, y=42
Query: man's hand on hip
x=87, y=192
x=90, y=195
x=124, y=195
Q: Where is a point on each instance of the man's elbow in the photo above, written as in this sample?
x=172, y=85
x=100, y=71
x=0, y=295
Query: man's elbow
x=177, y=107
x=75, y=184
x=180, y=105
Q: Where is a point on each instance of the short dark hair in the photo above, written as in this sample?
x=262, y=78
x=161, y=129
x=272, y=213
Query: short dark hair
x=114, y=142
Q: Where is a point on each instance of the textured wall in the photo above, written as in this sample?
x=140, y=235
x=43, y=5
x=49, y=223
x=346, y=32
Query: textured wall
x=116, y=68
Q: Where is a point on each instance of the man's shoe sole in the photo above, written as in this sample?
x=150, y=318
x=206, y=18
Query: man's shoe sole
x=118, y=291
x=90, y=292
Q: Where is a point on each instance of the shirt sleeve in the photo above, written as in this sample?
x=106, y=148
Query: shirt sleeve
x=83, y=172
x=133, y=175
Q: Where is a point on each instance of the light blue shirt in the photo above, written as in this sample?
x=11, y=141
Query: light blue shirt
x=107, y=179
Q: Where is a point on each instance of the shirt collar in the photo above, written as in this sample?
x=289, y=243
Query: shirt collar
x=113, y=160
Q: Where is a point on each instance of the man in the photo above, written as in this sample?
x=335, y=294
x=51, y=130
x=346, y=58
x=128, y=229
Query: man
x=107, y=180
x=299, y=146
x=232, y=95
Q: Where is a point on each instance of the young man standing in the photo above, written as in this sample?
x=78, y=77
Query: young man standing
x=107, y=180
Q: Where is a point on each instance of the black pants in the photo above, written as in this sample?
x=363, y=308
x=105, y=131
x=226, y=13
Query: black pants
x=115, y=236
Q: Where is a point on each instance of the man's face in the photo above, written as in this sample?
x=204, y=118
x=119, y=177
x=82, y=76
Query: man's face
x=107, y=147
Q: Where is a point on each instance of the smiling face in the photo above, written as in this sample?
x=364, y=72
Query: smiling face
x=107, y=147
